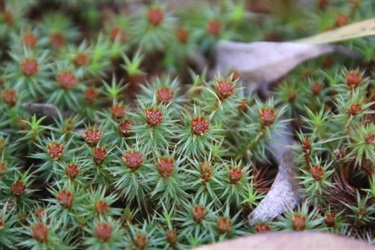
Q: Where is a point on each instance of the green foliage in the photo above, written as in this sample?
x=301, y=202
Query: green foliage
x=151, y=149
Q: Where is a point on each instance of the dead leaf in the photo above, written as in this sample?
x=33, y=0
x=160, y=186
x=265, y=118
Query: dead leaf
x=355, y=30
x=261, y=63
x=290, y=240
x=284, y=193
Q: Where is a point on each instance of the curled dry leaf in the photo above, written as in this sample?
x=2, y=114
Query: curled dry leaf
x=261, y=63
x=283, y=195
x=290, y=240
x=284, y=192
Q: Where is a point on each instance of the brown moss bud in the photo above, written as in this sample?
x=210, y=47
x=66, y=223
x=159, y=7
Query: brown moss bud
x=165, y=166
x=65, y=199
x=40, y=232
x=306, y=145
x=8, y=17
x=354, y=109
x=292, y=96
x=341, y=20
x=80, y=59
x=154, y=117
x=206, y=171
x=55, y=150
x=235, y=175
x=329, y=220
x=92, y=136
x=9, y=97
x=40, y=213
x=18, y=189
x=171, y=236
x=99, y=155
x=29, y=39
x=57, y=39
x=316, y=88
x=101, y=207
x=140, y=242
x=224, y=89
x=155, y=16
x=182, y=35
x=317, y=173
x=224, y=225
x=214, y=27
x=91, y=95
x=118, y=111
x=199, y=213
x=353, y=79
x=72, y=171
x=66, y=80
x=117, y=34
x=370, y=138
x=164, y=95
x=267, y=116
x=29, y=67
x=298, y=222
x=133, y=160
x=103, y=232
x=3, y=168
x=125, y=128
x=262, y=227
x=199, y=126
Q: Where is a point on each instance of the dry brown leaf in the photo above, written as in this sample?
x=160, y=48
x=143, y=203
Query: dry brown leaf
x=355, y=30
